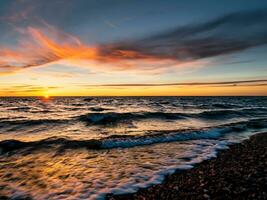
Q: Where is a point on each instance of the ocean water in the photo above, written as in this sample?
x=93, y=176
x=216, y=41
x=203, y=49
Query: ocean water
x=85, y=148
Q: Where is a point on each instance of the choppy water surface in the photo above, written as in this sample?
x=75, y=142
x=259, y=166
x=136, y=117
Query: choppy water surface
x=85, y=148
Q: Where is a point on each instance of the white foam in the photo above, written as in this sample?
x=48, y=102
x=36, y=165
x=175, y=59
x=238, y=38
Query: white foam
x=131, y=142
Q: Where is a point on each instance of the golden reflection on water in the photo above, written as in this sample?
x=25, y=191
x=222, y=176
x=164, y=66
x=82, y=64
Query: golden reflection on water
x=77, y=174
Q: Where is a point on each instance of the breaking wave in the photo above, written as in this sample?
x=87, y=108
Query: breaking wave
x=117, y=141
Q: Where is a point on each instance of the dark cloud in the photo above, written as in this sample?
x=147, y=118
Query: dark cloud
x=227, y=34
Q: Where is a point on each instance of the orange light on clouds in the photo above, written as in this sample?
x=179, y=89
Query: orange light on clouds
x=47, y=45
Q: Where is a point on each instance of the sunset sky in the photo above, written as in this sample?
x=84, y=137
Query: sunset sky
x=138, y=47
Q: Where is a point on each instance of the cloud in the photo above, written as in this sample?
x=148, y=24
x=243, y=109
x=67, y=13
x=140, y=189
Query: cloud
x=44, y=46
x=182, y=47
x=227, y=34
x=26, y=88
x=223, y=83
x=37, y=49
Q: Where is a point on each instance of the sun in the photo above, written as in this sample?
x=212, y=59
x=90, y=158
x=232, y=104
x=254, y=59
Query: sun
x=46, y=96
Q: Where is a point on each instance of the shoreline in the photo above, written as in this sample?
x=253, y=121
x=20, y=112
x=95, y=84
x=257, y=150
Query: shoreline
x=236, y=173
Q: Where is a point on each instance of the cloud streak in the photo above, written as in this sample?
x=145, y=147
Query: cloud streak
x=227, y=34
x=222, y=83
x=26, y=88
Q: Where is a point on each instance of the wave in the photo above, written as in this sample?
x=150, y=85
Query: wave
x=113, y=117
x=23, y=109
x=42, y=111
x=118, y=141
x=218, y=114
x=77, y=104
x=30, y=109
x=255, y=111
x=88, y=99
x=98, y=109
x=225, y=106
x=13, y=118
x=133, y=141
x=30, y=122
x=11, y=145
x=215, y=106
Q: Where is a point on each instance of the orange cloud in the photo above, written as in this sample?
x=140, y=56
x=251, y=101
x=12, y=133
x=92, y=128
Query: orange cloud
x=42, y=46
x=40, y=50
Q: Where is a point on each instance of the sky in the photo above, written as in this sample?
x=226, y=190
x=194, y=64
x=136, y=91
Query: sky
x=133, y=47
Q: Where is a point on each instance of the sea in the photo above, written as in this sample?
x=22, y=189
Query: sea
x=89, y=147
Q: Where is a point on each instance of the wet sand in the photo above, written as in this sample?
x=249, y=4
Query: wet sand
x=239, y=172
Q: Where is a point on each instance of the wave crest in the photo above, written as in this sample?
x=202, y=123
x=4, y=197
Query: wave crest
x=132, y=141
